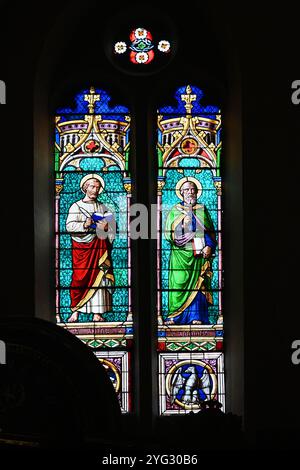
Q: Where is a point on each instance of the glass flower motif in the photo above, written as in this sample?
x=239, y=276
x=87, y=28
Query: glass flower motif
x=141, y=46
x=120, y=47
x=164, y=46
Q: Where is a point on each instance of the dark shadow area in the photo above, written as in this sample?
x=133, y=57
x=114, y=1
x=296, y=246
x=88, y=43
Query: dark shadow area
x=54, y=393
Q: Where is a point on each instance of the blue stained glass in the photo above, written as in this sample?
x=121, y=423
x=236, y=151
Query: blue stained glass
x=65, y=259
x=65, y=274
x=91, y=164
x=165, y=302
x=189, y=162
x=101, y=107
x=161, y=334
x=69, y=168
x=64, y=241
x=198, y=108
x=57, y=137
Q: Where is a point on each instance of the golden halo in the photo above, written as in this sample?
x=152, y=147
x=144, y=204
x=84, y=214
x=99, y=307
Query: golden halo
x=115, y=370
x=184, y=180
x=92, y=176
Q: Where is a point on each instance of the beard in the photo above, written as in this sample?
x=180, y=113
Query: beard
x=92, y=196
x=190, y=200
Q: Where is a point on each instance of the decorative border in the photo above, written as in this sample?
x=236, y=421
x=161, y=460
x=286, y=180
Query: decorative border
x=102, y=334
x=119, y=363
x=190, y=338
x=218, y=370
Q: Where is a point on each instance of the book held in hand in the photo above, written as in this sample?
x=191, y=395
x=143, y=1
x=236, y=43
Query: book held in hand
x=97, y=216
x=198, y=245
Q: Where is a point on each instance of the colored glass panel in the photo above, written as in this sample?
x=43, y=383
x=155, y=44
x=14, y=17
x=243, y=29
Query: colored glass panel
x=93, y=257
x=188, y=379
x=141, y=46
x=190, y=272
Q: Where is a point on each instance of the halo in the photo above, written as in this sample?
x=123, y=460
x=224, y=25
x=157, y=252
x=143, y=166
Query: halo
x=92, y=176
x=112, y=366
x=192, y=180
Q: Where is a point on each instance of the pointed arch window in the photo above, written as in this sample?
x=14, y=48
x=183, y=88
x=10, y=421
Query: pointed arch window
x=93, y=252
x=190, y=273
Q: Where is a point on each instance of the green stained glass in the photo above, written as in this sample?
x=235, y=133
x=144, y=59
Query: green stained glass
x=190, y=272
x=169, y=199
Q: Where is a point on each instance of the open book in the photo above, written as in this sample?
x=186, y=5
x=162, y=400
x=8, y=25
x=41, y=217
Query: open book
x=198, y=245
x=97, y=216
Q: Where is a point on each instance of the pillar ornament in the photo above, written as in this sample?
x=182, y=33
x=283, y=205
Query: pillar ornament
x=92, y=98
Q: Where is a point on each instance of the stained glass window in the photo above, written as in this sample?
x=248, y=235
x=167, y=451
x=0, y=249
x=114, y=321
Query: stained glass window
x=190, y=273
x=93, y=256
x=141, y=46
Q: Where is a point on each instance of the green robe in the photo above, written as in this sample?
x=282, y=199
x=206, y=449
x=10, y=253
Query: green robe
x=187, y=273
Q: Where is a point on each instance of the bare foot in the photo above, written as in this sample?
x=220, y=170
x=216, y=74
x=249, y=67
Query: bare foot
x=196, y=322
x=97, y=317
x=73, y=317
